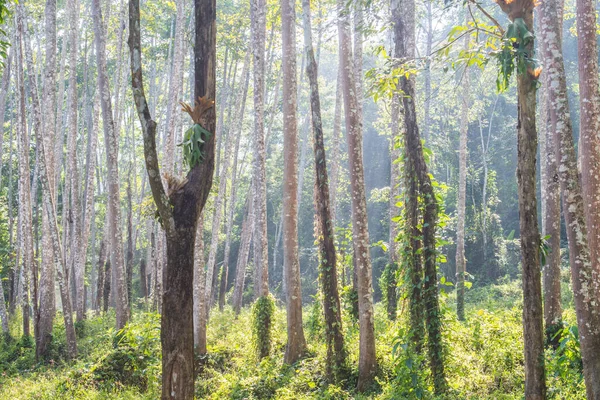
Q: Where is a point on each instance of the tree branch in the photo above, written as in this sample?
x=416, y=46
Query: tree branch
x=148, y=125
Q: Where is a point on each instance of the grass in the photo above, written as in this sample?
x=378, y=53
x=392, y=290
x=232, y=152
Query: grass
x=484, y=358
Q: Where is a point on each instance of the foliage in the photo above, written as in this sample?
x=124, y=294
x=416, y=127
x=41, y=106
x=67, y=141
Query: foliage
x=262, y=312
x=514, y=53
x=193, y=145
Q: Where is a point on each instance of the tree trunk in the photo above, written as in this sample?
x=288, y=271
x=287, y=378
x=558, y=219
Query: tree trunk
x=461, y=266
x=420, y=186
x=586, y=305
x=336, y=354
x=25, y=214
x=589, y=105
x=535, y=377
x=261, y=243
x=395, y=211
x=199, y=290
x=244, y=250
x=367, y=364
x=296, y=345
x=181, y=205
x=236, y=130
x=45, y=153
x=111, y=138
x=175, y=88
x=550, y=190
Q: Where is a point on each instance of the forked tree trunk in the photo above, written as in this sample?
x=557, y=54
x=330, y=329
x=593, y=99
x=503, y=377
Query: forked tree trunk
x=296, y=343
x=336, y=354
x=182, y=205
x=586, y=305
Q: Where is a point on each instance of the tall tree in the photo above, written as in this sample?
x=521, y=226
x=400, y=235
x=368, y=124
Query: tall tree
x=589, y=104
x=296, y=345
x=181, y=204
x=24, y=190
x=419, y=184
x=535, y=376
x=258, y=14
x=461, y=266
x=367, y=364
x=586, y=305
x=550, y=196
x=111, y=139
x=336, y=353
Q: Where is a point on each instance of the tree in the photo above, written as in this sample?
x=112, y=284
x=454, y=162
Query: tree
x=586, y=306
x=550, y=199
x=336, y=353
x=589, y=104
x=367, y=364
x=258, y=12
x=461, y=266
x=49, y=202
x=180, y=205
x=521, y=12
x=296, y=345
x=112, y=157
x=419, y=186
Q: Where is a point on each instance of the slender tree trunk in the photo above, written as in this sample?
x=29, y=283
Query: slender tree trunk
x=336, y=353
x=461, y=264
x=395, y=211
x=550, y=190
x=586, y=305
x=235, y=130
x=25, y=224
x=535, y=377
x=367, y=364
x=112, y=155
x=296, y=345
x=175, y=88
x=199, y=290
x=261, y=243
x=244, y=250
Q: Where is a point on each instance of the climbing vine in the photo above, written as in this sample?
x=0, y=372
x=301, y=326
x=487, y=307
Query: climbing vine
x=262, y=318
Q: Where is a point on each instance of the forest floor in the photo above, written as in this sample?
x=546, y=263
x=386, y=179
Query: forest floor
x=484, y=358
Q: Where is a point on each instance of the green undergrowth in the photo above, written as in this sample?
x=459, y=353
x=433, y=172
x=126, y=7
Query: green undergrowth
x=484, y=358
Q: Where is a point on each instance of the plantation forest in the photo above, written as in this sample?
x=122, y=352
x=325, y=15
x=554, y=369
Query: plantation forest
x=299, y=199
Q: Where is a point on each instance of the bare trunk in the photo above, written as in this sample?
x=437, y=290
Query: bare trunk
x=589, y=104
x=535, y=376
x=237, y=131
x=461, y=266
x=367, y=364
x=244, y=250
x=199, y=290
x=296, y=344
x=586, y=305
x=261, y=244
